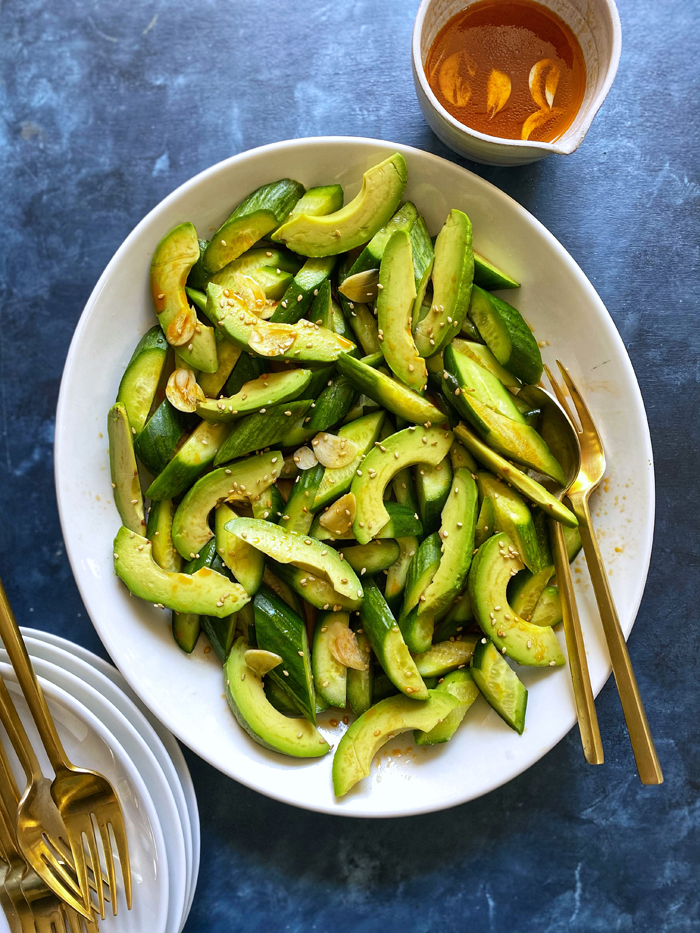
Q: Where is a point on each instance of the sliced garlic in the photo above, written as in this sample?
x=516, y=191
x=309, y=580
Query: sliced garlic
x=543, y=82
x=271, y=340
x=342, y=644
x=453, y=86
x=338, y=518
x=333, y=451
x=181, y=329
x=536, y=120
x=247, y=292
x=182, y=390
x=497, y=92
x=361, y=287
x=260, y=661
x=305, y=458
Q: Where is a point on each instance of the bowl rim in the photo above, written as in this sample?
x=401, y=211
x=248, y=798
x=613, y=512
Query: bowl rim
x=62, y=450
x=524, y=145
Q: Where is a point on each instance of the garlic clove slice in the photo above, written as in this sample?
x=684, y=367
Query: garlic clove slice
x=498, y=90
x=305, y=458
x=182, y=390
x=333, y=451
x=260, y=661
x=453, y=85
x=342, y=644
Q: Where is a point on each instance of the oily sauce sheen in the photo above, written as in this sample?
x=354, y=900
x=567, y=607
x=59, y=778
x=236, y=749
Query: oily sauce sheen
x=508, y=68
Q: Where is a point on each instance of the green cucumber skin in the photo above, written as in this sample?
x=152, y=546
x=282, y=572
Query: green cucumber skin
x=490, y=277
x=245, y=370
x=372, y=558
x=272, y=202
x=299, y=297
x=485, y=652
x=423, y=259
x=371, y=255
x=279, y=629
x=186, y=630
x=321, y=312
x=398, y=572
x=360, y=684
x=139, y=383
x=425, y=561
x=156, y=443
x=160, y=533
x=260, y=430
x=199, y=277
x=332, y=405
x=433, y=486
x=189, y=462
x=524, y=359
x=298, y=514
x=386, y=392
x=221, y=634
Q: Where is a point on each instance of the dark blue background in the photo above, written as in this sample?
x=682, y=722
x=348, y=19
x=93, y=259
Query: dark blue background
x=106, y=108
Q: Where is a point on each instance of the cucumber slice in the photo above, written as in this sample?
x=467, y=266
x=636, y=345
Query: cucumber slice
x=160, y=533
x=433, y=485
x=507, y=335
x=548, y=610
x=421, y=570
x=189, y=462
x=400, y=450
x=453, y=273
x=387, y=392
x=158, y=440
x=529, y=487
x=476, y=380
x=372, y=558
x=298, y=298
x=354, y=224
x=246, y=369
x=245, y=562
x=257, y=395
x=265, y=428
x=321, y=312
x=371, y=255
x=525, y=590
x=485, y=526
x=445, y=656
x=353, y=758
x=298, y=517
x=394, y=309
x=383, y=688
x=481, y=354
x=240, y=482
x=332, y=405
x=512, y=516
x=186, y=628
x=528, y=644
x=459, y=684
x=283, y=632
x=324, y=199
x=252, y=262
x=298, y=738
x=139, y=383
x=360, y=683
x=362, y=324
x=330, y=677
x=499, y=685
x=458, y=617
x=398, y=572
x=490, y=277
x=423, y=258
x=337, y=480
x=123, y=469
x=388, y=644
x=259, y=214
x=404, y=489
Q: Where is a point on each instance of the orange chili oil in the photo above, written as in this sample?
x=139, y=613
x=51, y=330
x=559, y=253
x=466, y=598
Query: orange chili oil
x=508, y=68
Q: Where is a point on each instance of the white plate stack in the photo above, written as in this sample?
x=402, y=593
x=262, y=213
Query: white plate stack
x=103, y=725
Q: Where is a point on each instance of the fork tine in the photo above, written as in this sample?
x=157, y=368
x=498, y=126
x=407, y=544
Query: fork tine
x=584, y=414
x=109, y=859
x=561, y=398
x=96, y=866
x=119, y=833
x=78, y=852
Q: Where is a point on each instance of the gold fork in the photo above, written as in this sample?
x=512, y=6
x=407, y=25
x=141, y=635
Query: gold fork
x=589, y=478
x=84, y=798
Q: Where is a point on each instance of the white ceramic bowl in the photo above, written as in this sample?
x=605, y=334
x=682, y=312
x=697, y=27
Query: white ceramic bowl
x=595, y=23
x=186, y=692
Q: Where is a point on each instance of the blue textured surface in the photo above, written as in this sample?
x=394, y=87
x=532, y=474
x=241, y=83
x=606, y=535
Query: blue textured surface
x=108, y=107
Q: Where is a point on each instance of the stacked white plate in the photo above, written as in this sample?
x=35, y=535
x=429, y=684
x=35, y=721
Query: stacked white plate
x=104, y=726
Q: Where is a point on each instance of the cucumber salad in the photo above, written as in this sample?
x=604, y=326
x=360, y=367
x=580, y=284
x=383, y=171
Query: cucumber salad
x=322, y=455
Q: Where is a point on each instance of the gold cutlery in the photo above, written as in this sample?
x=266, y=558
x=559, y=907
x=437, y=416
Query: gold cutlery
x=84, y=798
x=589, y=477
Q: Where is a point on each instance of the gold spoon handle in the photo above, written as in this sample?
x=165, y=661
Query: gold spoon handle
x=583, y=693
x=632, y=706
x=19, y=658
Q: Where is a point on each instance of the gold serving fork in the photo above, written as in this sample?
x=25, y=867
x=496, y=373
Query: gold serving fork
x=590, y=475
x=85, y=799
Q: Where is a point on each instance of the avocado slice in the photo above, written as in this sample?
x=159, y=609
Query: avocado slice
x=394, y=308
x=371, y=255
x=495, y=562
x=388, y=718
x=453, y=273
x=305, y=553
x=123, y=469
x=459, y=684
x=389, y=393
x=172, y=260
x=499, y=685
x=507, y=335
x=373, y=557
x=245, y=693
x=400, y=450
x=529, y=487
x=445, y=656
x=139, y=383
x=245, y=562
x=240, y=482
x=354, y=224
x=160, y=534
x=299, y=342
x=204, y=592
x=260, y=213
x=269, y=389
x=457, y=529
